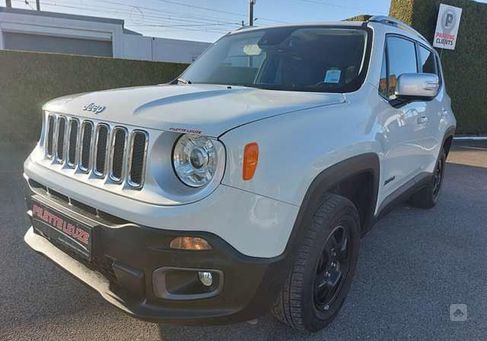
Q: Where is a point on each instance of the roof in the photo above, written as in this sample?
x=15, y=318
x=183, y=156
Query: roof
x=391, y=21
x=382, y=20
x=307, y=24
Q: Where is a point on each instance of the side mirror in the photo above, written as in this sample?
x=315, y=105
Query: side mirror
x=422, y=86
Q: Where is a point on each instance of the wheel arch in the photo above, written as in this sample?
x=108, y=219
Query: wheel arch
x=340, y=179
x=448, y=139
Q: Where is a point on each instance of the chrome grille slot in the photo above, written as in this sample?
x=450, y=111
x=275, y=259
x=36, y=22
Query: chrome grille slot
x=73, y=142
x=115, y=154
x=51, y=123
x=119, y=142
x=60, y=143
x=137, y=155
x=101, y=145
x=85, y=153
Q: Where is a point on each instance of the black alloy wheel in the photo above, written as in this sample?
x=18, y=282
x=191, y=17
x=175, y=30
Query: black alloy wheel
x=332, y=268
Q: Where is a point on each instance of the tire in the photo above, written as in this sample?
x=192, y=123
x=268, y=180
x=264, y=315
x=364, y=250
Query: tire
x=428, y=196
x=302, y=303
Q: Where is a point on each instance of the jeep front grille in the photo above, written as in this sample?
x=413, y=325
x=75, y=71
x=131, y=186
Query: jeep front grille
x=73, y=142
x=59, y=142
x=136, y=163
x=111, y=152
x=85, y=146
x=119, y=143
x=101, y=145
x=50, y=136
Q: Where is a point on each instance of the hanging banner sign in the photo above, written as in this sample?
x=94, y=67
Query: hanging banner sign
x=446, y=32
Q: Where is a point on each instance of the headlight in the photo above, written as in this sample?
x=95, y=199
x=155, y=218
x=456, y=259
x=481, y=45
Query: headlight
x=195, y=160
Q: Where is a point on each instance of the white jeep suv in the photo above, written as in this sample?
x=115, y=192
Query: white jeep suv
x=245, y=185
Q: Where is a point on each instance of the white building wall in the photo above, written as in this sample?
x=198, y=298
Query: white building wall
x=177, y=51
x=63, y=27
x=1, y=39
x=161, y=50
x=125, y=45
x=137, y=47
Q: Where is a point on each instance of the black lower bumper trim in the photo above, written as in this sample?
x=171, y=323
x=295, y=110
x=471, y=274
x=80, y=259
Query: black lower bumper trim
x=125, y=257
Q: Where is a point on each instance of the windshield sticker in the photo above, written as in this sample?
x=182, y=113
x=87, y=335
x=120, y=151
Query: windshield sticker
x=252, y=50
x=333, y=76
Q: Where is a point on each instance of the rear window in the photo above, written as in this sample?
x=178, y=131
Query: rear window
x=427, y=61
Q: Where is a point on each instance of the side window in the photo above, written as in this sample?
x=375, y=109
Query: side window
x=383, y=77
x=402, y=59
x=427, y=61
x=438, y=68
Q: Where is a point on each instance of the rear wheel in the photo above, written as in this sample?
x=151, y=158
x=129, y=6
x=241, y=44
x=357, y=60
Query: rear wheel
x=324, y=267
x=428, y=196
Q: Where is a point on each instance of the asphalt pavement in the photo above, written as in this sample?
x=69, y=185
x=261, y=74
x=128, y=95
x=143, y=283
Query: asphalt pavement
x=412, y=267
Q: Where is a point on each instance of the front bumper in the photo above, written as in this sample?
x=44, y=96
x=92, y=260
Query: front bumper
x=125, y=256
x=252, y=224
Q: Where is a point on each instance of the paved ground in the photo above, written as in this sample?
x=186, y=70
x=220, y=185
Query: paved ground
x=412, y=266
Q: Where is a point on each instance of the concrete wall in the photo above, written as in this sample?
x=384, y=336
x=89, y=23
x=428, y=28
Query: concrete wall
x=62, y=33
x=177, y=50
x=44, y=43
x=137, y=47
x=161, y=49
x=55, y=25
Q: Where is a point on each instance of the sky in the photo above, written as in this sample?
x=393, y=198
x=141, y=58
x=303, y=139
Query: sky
x=207, y=20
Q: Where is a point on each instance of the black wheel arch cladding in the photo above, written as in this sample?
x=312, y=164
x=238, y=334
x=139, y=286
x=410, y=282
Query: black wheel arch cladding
x=327, y=181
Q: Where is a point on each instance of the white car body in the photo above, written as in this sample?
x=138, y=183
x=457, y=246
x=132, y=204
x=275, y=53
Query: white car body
x=300, y=135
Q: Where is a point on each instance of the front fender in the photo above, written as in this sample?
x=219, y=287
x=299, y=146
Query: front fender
x=294, y=149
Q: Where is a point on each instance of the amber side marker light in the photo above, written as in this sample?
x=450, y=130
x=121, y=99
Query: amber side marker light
x=250, y=160
x=190, y=243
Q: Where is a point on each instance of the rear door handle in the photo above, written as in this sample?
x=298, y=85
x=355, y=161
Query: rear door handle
x=422, y=119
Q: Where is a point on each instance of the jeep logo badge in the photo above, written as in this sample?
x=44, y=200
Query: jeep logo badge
x=94, y=108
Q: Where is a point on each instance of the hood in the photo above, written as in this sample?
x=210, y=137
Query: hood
x=207, y=109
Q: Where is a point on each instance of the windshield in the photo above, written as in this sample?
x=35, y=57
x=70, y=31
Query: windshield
x=289, y=58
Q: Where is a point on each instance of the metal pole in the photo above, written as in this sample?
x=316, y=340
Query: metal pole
x=38, y=5
x=251, y=12
x=8, y=3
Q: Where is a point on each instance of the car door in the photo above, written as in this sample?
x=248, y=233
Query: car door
x=403, y=125
x=430, y=136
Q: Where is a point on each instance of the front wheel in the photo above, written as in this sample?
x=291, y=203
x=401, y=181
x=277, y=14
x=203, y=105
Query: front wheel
x=323, y=268
x=428, y=196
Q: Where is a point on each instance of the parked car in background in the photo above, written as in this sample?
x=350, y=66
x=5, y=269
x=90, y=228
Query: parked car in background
x=245, y=185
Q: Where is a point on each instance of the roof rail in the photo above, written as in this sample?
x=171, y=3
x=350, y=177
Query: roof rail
x=396, y=23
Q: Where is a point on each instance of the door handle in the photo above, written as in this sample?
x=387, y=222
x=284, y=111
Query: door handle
x=422, y=119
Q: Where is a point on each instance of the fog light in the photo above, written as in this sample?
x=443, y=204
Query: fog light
x=189, y=243
x=206, y=278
